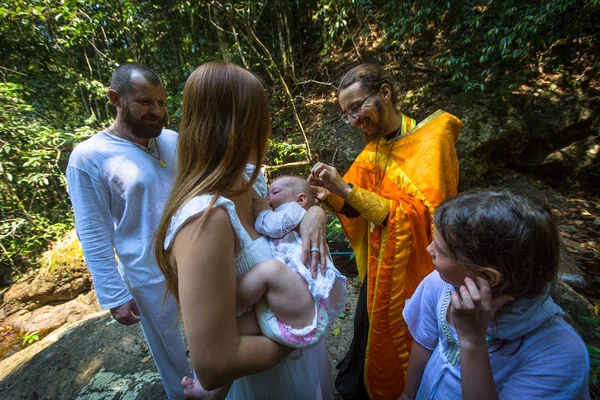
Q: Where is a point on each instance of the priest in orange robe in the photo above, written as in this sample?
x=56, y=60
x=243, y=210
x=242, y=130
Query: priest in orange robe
x=385, y=203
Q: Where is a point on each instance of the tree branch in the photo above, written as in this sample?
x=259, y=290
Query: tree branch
x=287, y=165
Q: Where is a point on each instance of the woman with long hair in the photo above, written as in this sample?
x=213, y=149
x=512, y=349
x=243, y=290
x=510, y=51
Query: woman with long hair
x=206, y=239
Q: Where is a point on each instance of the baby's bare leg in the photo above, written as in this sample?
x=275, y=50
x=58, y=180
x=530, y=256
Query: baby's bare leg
x=253, y=285
x=248, y=325
x=286, y=292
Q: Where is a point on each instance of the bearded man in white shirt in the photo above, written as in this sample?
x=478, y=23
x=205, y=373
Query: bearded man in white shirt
x=119, y=181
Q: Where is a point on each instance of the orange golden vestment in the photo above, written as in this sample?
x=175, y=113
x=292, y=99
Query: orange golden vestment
x=415, y=173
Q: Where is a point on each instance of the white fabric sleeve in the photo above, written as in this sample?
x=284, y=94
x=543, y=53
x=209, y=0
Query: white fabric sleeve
x=260, y=185
x=94, y=226
x=420, y=311
x=279, y=222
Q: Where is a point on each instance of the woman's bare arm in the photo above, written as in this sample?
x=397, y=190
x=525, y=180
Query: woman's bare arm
x=205, y=261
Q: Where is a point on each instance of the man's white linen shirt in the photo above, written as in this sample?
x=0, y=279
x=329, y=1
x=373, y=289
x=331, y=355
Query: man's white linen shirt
x=118, y=192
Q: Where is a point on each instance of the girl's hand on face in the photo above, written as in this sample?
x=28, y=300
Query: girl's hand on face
x=472, y=315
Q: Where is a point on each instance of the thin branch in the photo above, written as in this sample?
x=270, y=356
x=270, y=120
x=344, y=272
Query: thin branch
x=214, y=23
x=88, y=63
x=318, y=82
x=9, y=258
x=288, y=165
x=239, y=47
x=266, y=52
x=233, y=32
x=98, y=51
x=355, y=48
x=260, y=14
x=12, y=70
x=408, y=61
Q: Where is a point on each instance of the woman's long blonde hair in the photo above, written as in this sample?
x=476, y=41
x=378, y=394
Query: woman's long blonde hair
x=225, y=116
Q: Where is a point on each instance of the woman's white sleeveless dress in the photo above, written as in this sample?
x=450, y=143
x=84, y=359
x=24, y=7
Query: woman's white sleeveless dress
x=306, y=378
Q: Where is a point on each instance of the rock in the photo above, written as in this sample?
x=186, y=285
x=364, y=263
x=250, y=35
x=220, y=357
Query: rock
x=597, y=221
x=570, y=272
x=51, y=317
x=567, y=228
x=564, y=138
x=577, y=158
x=571, y=246
x=585, y=215
x=94, y=358
x=577, y=281
x=575, y=306
x=489, y=139
x=62, y=276
x=552, y=118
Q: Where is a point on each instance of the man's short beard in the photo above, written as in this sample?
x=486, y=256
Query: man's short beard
x=381, y=117
x=379, y=127
x=140, y=128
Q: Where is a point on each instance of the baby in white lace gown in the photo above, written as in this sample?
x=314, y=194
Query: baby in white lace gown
x=292, y=309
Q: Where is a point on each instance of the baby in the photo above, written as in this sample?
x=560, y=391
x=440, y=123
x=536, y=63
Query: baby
x=292, y=307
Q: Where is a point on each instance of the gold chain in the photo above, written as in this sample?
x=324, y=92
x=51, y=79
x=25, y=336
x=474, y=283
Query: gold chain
x=146, y=149
x=376, y=184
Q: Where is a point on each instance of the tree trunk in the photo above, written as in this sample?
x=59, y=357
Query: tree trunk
x=222, y=38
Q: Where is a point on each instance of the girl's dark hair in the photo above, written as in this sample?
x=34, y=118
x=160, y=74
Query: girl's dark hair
x=371, y=77
x=505, y=231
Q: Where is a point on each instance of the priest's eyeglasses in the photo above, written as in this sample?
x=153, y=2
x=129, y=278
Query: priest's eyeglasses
x=355, y=110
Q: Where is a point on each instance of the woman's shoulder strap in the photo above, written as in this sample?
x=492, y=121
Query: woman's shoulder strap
x=198, y=205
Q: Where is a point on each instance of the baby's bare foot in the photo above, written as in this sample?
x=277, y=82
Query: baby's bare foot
x=192, y=389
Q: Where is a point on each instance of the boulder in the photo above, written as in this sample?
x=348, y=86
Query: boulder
x=575, y=306
x=62, y=276
x=50, y=317
x=490, y=138
x=564, y=135
x=94, y=358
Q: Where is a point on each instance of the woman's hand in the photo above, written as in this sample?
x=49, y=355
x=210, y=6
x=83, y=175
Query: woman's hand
x=472, y=315
x=313, y=229
x=326, y=176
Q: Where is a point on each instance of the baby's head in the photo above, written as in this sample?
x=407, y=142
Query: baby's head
x=506, y=238
x=287, y=189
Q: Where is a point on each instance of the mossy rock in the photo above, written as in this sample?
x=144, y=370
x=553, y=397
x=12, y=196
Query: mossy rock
x=63, y=275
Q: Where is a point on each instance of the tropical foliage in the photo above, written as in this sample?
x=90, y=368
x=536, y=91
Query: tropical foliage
x=57, y=58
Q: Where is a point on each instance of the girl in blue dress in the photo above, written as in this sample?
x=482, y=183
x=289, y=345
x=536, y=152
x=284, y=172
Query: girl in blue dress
x=484, y=324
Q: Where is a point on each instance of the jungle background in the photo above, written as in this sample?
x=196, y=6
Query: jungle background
x=521, y=75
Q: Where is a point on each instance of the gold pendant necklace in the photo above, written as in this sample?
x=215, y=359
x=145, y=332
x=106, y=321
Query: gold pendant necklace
x=146, y=149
